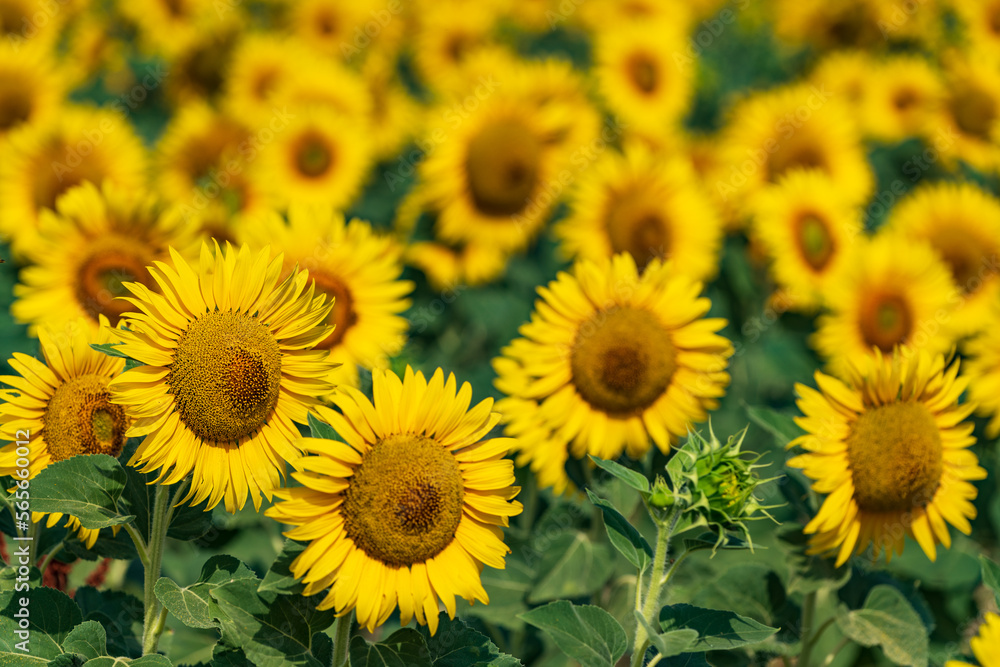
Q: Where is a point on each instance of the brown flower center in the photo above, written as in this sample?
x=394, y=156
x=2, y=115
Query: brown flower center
x=794, y=154
x=101, y=276
x=815, y=241
x=59, y=168
x=312, y=154
x=643, y=72
x=502, y=167
x=974, y=111
x=886, y=320
x=636, y=225
x=343, y=315
x=80, y=419
x=967, y=257
x=16, y=103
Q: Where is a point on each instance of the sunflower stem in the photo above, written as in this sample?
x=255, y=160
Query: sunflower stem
x=808, y=611
x=48, y=557
x=656, y=580
x=151, y=628
x=342, y=638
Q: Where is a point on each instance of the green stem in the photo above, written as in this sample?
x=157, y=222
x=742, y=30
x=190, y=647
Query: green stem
x=139, y=542
x=832, y=655
x=656, y=581
x=342, y=638
x=48, y=558
x=670, y=572
x=151, y=629
x=808, y=612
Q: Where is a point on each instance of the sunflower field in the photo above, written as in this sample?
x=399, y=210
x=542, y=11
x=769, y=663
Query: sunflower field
x=498, y=333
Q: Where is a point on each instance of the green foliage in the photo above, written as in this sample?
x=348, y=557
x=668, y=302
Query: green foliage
x=588, y=634
x=889, y=621
x=454, y=644
x=716, y=629
x=623, y=535
x=87, y=487
x=573, y=566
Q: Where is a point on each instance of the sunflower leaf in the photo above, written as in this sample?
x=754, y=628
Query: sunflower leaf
x=668, y=644
x=193, y=605
x=87, y=487
x=320, y=429
x=119, y=613
x=634, y=479
x=455, y=644
x=279, y=579
x=588, y=634
x=404, y=648
x=717, y=630
x=781, y=426
x=88, y=639
x=109, y=349
x=623, y=534
x=887, y=620
x=573, y=565
x=53, y=615
x=991, y=576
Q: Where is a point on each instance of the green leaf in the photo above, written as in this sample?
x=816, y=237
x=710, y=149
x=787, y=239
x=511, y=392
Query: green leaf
x=572, y=566
x=120, y=614
x=52, y=615
x=193, y=605
x=61, y=660
x=279, y=579
x=781, y=426
x=991, y=576
x=709, y=540
x=87, y=639
x=403, y=648
x=717, y=630
x=108, y=545
x=668, y=644
x=508, y=589
x=588, y=634
x=152, y=660
x=623, y=534
x=110, y=349
x=320, y=429
x=455, y=644
x=87, y=487
x=887, y=620
x=634, y=479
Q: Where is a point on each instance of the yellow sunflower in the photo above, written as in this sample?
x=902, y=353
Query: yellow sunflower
x=229, y=366
x=446, y=34
x=261, y=65
x=322, y=157
x=447, y=267
x=905, y=96
x=983, y=372
x=168, y=27
x=31, y=25
x=98, y=240
x=847, y=75
x=897, y=292
x=809, y=234
x=970, y=114
x=861, y=24
x=197, y=72
x=408, y=509
x=962, y=224
x=985, y=646
x=357, y=269
x=43, y=161
x=610, y=360
x=62, y=407
x=639, y=74
x=31, y=88
x=890, y=450
x=796, y=127
x=981, y=23
x=647, y=206
x=348, y=31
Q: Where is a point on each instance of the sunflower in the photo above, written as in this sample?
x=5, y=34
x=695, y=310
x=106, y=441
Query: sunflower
x=321, y=158
x=639, y=76
x=447, y=267
x=643, y=205
x=63, y=405
x=261, y=65
x=905, y=95
x=330, y=85
x=31, y=89
x=98, y=240
x=986, y=645
x=962, y=224
x=43, y=161
x=981, y=21
x=197, y=72
x=796, y=127
x=889, y=448
x=840, y=24
x=983, y=372
x=446, y=33
x=970, y=114
x=610, y=359
x=347, y=31
x=229, y=367
x=847, y=75
x=808, y=233
x=896, y=292
x=357, y=269
x=408, y=509
x=31, y=25
x=168, y=27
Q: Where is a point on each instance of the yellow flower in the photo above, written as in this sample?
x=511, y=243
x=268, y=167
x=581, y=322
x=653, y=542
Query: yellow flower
x=168, y=27
x=970, y=115
x=905, y=95
x=407, y=510
x=809, y=233
x=98, y=240
x=847, y=75
x=648, y=206
x=986, y=645
x=889, y=449
x=447, y=32
x=196, y=71
x=980, y=19
x=357, y=269
x=897, y=292
x=228, y=369
x=31, y=89
x=62, y=407
x=983, y=372
x=610, y=360
x=448, y=267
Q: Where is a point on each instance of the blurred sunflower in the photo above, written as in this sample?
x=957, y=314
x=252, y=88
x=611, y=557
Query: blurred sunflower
x=321, y=158
x=348, y=31
x=356, y=269
x=261, y=65
x=639, y=76
x=197, y=72
x=970, y=115
x=229, y=368
x=30, y=25
x=610, y=360
x=896, y=292
x=983, y=372
x=31, y=88
x=962, y=224
x=796, y=127
x=905, y=96
x=43, y=161
x=448, y=266
x=598, y=14
x=64, y=404
x=847, y=75
x=890, y=450
x=985, y=645
x=407, y=510
x=329, y=85
x=840, y=24
x=644, y=205
x=98, y=240
x=446, y=33
x=809, y=233
x=980, y=20
x=168, y=27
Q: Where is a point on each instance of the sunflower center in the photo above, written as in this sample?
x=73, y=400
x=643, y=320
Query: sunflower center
x=343, y=315
x=895, y=457
x=15, y=103
x=635, y=226
x=974, y=111
x=313, y=156
x=815, y=241
x=81, y=419
x=100, y=280
x=886, y=321
x=502, y=167
x=799, y=155
x=994, y=19
x=643, y=72
x=225, y=376
x=55, y=175
x=622, y=360
x=905, y=99
x=965, y=255
x=405, y=500
x=13, y=18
